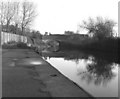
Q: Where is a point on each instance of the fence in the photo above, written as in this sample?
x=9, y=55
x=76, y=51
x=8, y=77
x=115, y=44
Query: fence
x=7, y=37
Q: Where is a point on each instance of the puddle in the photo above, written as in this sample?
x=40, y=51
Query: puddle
x=54, y=75
x=12, y=64
x=15, y=59
x=30, y=62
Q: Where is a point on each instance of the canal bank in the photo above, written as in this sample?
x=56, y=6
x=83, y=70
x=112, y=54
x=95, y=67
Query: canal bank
x=26, y=74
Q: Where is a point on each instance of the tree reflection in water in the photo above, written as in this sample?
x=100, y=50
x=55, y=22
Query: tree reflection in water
x=98, y=72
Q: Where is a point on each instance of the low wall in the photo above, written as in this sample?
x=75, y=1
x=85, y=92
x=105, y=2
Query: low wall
x=7, y=37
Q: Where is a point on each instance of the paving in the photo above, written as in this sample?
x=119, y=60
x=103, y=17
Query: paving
x=26, y=74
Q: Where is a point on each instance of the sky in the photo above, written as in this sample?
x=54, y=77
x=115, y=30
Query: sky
x=57, y=16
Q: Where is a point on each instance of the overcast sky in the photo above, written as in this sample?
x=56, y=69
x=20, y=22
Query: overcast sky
x=56, y=16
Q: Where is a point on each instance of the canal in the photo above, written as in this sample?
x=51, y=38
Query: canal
x=97, y=74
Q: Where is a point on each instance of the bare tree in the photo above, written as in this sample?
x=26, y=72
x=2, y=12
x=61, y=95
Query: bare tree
x=17, y=15
x=100, y=28
x=2, y=13
x=28, y=14
x=7, y=12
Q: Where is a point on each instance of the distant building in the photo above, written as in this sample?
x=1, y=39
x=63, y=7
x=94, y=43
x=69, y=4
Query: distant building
x=69, y=33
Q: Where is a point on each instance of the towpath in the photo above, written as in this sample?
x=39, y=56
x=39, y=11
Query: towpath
x=26, y=74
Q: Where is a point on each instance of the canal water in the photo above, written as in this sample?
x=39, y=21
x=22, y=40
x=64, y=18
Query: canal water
x=97, y=74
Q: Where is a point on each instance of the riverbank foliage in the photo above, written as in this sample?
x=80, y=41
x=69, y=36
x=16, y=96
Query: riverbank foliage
x=100, y=37
x=15, y=45
x=109, y=45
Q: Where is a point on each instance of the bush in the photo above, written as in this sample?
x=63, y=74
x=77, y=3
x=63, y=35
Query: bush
x=108, y=45
x=15, y=45
x=21, y=45
x=99, y=28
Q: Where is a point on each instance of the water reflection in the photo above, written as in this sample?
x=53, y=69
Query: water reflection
x=98, y=72
x=95, y=74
